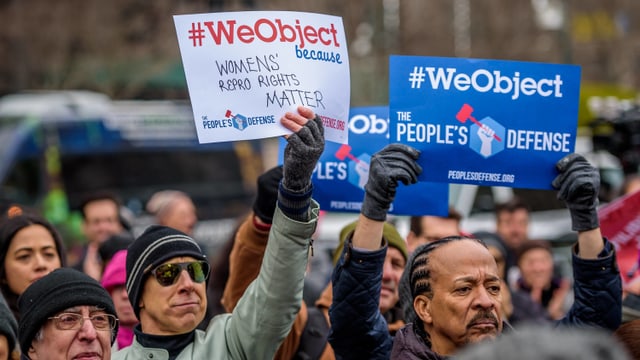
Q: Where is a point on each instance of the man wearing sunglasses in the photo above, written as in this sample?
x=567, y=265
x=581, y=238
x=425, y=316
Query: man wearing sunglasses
x=66, y=315
x=167, y=272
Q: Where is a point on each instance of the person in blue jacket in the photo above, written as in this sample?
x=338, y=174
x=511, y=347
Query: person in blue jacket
x=454, y=281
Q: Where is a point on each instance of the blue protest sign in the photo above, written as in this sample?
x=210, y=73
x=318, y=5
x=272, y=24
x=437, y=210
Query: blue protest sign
x=485, y=122
x=343, y=170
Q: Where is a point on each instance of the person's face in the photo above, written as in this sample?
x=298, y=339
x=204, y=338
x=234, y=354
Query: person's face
x=173, y=309
x=433, y=228
x=126, y=316
x=182, y=216
x=31, y=255
x=465, y=303
x=536, y=268
x=101, y=220
x=513, y=227
x=391, y=273
x=84, y=343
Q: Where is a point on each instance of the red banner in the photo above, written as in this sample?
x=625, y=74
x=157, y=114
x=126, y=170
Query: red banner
x=620, y=223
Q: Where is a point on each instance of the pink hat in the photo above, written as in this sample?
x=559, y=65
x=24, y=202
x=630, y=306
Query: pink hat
x=115, y=273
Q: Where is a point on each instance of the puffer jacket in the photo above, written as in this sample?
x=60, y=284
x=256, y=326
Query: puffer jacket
x=358, y=329
x=597, y=291
x=264, y=314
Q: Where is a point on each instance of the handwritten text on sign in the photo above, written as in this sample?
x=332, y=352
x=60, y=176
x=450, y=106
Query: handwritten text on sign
x=246, y=69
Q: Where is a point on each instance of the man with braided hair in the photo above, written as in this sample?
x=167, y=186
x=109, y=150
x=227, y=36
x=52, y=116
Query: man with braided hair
x=455, y=285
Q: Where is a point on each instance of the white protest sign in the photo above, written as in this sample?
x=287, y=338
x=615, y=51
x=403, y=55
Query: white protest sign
x=244, y=70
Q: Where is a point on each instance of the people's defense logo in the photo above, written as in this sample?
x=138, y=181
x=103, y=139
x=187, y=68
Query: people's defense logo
x=239, y=121
x=358, y=167
x=486, y=134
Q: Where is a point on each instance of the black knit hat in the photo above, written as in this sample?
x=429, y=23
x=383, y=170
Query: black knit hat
x=8, y=325
x=155, y=246
x=59, y=290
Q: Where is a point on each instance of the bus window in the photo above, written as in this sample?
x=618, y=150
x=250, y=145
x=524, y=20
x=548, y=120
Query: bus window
x=212, y=178
x=57, y=146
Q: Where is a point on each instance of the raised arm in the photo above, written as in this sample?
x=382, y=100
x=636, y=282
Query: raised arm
x=358, y=330
x=251, y=238
x=597, y=282
x=395, y=163
x=266, y=311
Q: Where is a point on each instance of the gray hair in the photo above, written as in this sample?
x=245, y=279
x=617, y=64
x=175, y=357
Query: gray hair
x=548, y=343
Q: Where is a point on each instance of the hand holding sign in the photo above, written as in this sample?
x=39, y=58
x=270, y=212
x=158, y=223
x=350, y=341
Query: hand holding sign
x=303, y=150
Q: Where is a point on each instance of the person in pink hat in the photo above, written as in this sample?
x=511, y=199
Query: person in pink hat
x=113, y=280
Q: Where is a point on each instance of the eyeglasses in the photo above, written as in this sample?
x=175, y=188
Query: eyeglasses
x=73, y=321
x=168, y=274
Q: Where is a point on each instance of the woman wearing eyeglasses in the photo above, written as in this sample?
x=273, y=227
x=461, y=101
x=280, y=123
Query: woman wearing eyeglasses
x=66, y=315
x=167, y=272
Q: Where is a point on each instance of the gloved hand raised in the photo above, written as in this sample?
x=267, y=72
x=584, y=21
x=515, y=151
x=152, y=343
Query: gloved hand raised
x=578, y=184
x=303, y=150
x=264, y=205
x=396, y=162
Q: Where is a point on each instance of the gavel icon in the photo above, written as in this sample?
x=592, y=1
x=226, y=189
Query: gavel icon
x=465, y=114
x=345, y=152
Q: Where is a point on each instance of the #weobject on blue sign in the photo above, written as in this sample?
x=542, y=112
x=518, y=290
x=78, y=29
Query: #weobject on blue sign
x=343, y=170
x=484, y=122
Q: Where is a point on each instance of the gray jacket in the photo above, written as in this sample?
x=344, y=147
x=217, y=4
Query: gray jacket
x=265, y=313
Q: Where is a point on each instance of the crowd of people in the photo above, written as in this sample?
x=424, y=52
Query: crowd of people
x=438, y=293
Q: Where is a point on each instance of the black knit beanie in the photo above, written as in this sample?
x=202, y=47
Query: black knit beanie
x=8, y=325
x=155, y=246
x=59, y=290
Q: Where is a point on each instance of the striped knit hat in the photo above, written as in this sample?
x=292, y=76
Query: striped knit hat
x=154, y=247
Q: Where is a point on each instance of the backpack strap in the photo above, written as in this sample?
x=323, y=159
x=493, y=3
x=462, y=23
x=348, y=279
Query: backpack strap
x=314, y=336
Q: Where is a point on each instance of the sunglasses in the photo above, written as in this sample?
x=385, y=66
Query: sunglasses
x=168, y=274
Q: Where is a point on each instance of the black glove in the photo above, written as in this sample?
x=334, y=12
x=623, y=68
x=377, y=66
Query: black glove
x=301, y=155
x=578, y=184
x=264, y=205
x=396, y=162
